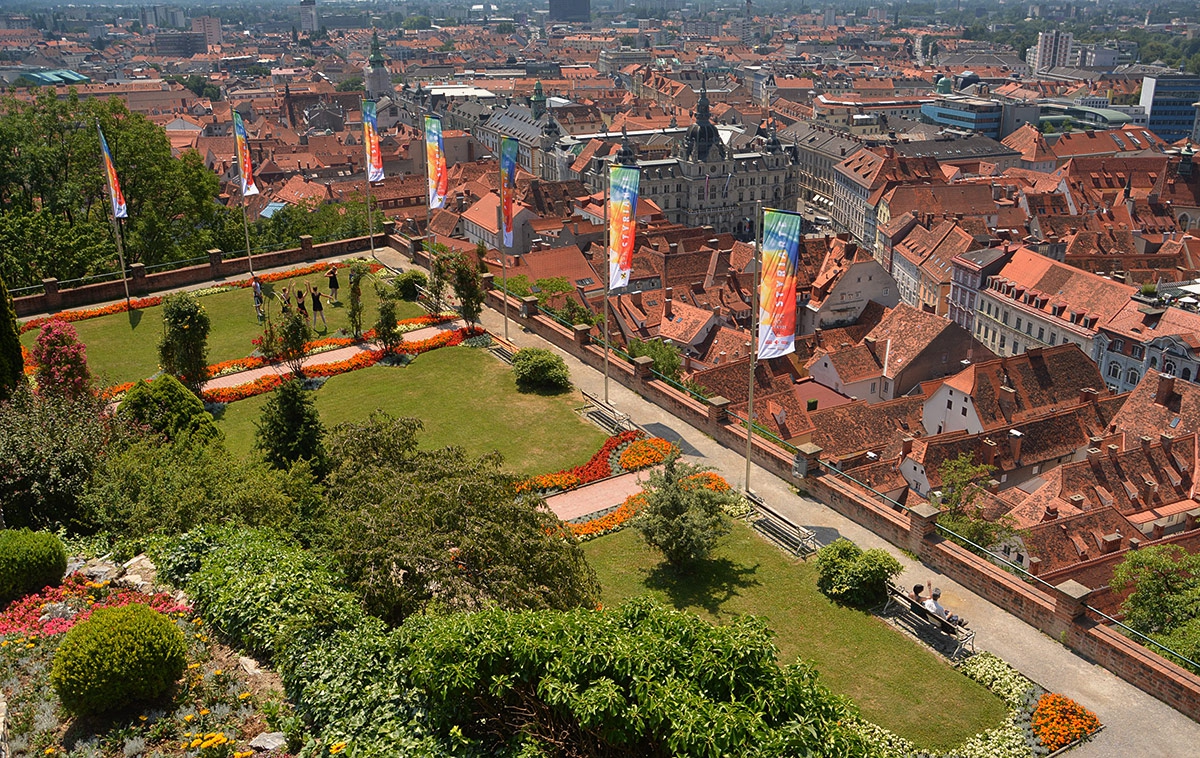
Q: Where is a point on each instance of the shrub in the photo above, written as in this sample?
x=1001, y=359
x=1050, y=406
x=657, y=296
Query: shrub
x=536, y=368
x=409, y=284
x=680, y=520
x=358, y=271
x=61, y=361
x=29, y=561
x=117, y=657
x=290, y=429
x=167, y=407
x=848, y=574
x=387, y=333
x=183, y=349
x=12, y=361
x=294, y=334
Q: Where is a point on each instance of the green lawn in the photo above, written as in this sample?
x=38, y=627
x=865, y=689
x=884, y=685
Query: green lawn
x=896, y=682
x=464, y=396
x=123, y=347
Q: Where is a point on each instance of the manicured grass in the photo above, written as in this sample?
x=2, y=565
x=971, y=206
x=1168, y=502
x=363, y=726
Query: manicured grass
x=123, y=347
x=464, y=396
x=896, y=683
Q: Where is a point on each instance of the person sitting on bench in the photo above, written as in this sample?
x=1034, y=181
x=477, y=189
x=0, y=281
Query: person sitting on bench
x=933, y=606
x=915, y=595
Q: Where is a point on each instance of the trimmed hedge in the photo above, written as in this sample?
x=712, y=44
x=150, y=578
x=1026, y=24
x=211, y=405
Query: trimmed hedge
x=118, y=657
x=29, y=561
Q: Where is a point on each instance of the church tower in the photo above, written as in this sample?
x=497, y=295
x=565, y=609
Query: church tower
x=376, y=76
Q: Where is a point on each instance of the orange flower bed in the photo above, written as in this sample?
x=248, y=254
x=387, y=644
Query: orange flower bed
x=709, y=480
x=27, y=360
x=1058, y=721
x=117, y=390
x=612, y=521
x=594, y=470
x=136, y=303
x=645, y=453
x=312, y=268
x=559, y=480
x=259, y=386
x=365, y=359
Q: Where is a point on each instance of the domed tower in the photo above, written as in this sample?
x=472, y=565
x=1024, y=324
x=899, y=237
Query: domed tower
x=537, y=102
x=376, y=76
x=702, y=136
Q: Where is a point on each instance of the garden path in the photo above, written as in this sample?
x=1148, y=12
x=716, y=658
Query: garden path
x=330, y=356
x=597, y=496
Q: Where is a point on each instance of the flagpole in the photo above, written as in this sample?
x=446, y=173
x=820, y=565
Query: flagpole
x=753, y=338
x=500, y=247
x=607, y=275
x=246, y=227
x=116, y=224
x=367, y=176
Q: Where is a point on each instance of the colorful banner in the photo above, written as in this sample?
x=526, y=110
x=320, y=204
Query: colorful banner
x=245, y=168
x=777, y=288
x=119, y=208
x=622, y=222
x=371, y=142
x=508, y=184
x=435, y=162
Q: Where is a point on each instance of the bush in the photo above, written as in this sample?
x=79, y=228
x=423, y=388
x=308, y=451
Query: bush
x=118, y=657
x=61, y=361
x=290, y=429
x=167, y=407
x=536, y=368
x=12, y=362
x=409, y=283
x=387, y=333
x=29, y=561
x=849, y=575
x=183, y=349
x=258, y=590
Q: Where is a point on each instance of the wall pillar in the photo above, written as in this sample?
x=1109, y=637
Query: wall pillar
x=718, y=411
x=487, y=281
x=137, y=278
x=306, y=245
x=52, y=297
x=529, y=307
x=922, y=524
x=641, y=368
x=583, y=333
x=214, y=262
x=806, y=462
x=1070, y=604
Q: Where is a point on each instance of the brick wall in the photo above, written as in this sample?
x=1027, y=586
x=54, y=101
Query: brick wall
x=218, y=268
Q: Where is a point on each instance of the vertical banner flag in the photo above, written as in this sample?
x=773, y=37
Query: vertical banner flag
x=508, y=184
x=245, y=169
x=622, y=222
x=435, y=162
x=371, y=142
x=777, y=288
x=120, y=210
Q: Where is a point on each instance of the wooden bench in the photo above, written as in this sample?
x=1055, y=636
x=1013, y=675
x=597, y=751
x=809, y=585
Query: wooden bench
x=605, y=416
x=959, y=638
x=779, y=529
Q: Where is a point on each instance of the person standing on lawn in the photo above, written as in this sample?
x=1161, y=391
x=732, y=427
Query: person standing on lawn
x=285, y=301
x=301, y=306
x=331, y=275
x=317, y=308
x=258, y=298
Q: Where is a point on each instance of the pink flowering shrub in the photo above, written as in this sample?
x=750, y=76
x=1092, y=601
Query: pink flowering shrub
x=83, y=597
x=61, y=361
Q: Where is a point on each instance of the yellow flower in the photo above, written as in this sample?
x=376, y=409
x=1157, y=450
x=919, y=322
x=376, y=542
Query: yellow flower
x=192, y=666
x=4, y=643
x=197, y=621
x=188, y=718
x=29, y=645
x=244, y=696
x=142, y=718
x=197, y=742
x=337, y=747
x=218, y=672
x=204, y=711
x=183, y=745
x=50, y=751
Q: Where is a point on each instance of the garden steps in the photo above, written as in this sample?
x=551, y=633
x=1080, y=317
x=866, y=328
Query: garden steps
x=228, y=381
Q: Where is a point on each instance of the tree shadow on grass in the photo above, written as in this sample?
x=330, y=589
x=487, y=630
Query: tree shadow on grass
x=135, y=318
x=529, y=389
x=707, y=584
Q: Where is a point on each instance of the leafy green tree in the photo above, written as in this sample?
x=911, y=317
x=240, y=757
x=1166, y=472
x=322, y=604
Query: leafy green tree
x=290, y=429
x=350, y=84
x=387, y=333
x=167, y=407
x=538, y=369
x=438, y=272
x=960, y=512
x=680, y=519
x=417, y=22
x=354, y=311
x=639, y=680
x=294, y=334
x=12, y=361
x=506, y=27
x=667, y=360
x=420, y=529
x=848, y=574
x=155, y=488
x=468, y=288
x=1165, y=584
x=183, y=348
x=409, y=284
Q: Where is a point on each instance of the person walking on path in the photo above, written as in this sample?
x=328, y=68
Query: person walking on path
x=258, y=298
x=285, y=301
x=331, y=275
x=317, y=308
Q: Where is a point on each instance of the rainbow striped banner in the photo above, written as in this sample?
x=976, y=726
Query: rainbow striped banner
x=245, y=167
x=371, y=142
x=777, y=288
x=435, y=162
x=622, y=222
x=119, y=207
x=508, y=184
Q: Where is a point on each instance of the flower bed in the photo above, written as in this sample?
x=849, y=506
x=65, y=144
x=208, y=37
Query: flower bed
x=1058, y=721
x=81, y=597
x=136, y=303
x=610, y=522
x=645, y=453
x=598, y=467
x=1019, y=735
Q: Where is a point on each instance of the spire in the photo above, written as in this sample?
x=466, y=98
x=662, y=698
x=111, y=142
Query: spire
x=376, y=59
x=626, y=155
x=537, y=103
x=703, y=115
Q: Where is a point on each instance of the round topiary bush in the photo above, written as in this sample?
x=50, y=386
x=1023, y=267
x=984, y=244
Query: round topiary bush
x=29, y=561
x=536, y=368
x=119, y=656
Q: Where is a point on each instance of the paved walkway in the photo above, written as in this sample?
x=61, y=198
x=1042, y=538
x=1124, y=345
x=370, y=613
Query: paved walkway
x=320, y=359
x=1137, y=724
x=597, y=496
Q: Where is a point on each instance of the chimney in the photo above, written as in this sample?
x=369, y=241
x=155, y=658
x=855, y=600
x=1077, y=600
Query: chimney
x=907, y=444
x=1110, y=543
x=1166, y=386
x=1093, y=456
x=1051, y=512
x=1089, y=395
x=1165, y=440
x=720, y=357
x=667, y=311
x=1035, y=565
x=1014, y=444
x=1076, y=500
x=989, y=452
x=1112, y=451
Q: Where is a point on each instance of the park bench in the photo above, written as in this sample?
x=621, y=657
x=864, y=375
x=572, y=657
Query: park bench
x=957, y=638
x=605, y=416
x=779, y=529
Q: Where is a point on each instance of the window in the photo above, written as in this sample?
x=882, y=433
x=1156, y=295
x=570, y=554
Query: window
x=1002, y=338
x=872, y=387
x=1005, y=319
x=964, y=410
x=1018, y=323
x=1029, y=328
x=886, y=291
x=1187, y=375
x=1132, y=377
x=1117, y=346
x=1138, y=351
x=1153, y=361
x=1016, y=347
x=1053, y=338
x=949, y=403
x=1041, y=334
x=1169, y=367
